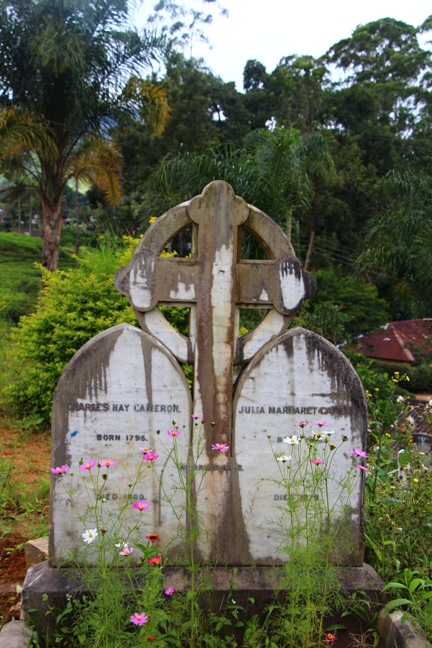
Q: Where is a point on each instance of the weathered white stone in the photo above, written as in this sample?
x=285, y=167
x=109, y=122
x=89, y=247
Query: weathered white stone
x=157, y=325
x=299, y=376
x=115, y=395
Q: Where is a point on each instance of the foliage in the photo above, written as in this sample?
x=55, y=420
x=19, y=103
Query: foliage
x=399, y=241
x=21, y=281
x=343, y=307
x=328, y=320
x=76, y=304
x=399, y=490
x=68, y=71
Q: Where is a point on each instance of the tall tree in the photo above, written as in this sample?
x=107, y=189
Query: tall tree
x=68, y=70
x=398, y=249
x=384, y=94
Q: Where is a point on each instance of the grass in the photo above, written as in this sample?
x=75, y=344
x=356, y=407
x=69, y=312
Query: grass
x=21, y=278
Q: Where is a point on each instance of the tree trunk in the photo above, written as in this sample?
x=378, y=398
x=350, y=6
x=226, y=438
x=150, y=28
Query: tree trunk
x=51, y=230
x=77, y=218
x=30, y=215
x=310, y=250
x=289, y=224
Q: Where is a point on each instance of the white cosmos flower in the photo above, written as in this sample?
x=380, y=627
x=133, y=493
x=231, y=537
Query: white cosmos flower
x=294, y=440
x=284, y=458
x=89, y=535
x=321, y=434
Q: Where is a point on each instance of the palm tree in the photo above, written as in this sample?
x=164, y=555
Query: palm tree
x=69, y=71
x=399, y=241
x=278, y=171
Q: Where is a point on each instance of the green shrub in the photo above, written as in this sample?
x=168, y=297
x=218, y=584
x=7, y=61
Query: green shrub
x=420, y=377
x=328, y=320
x=75, y=305
x=357, y=300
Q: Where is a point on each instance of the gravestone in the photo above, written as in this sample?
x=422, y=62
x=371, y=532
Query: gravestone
x=126, y=384
x=114, y=395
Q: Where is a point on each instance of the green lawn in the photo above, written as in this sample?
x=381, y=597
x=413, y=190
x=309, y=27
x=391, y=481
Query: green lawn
x=20, y=278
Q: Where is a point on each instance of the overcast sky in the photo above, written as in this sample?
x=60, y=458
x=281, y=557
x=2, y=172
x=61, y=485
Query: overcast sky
x=267, y=30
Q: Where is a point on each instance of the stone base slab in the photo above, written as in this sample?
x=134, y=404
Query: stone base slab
x=55, y=584
x=398, y=631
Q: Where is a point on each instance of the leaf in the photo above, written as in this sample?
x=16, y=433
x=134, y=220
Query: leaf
x=396, y=603
x=394, y=585
x=415, y=584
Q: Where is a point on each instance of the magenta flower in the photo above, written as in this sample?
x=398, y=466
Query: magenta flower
x=141, y=505
x=139, y=618
x=153, y=537
x=170, y=591
x=196, y=416
x=358, y=453
x=320, y=423
x=150, y=456
x=88, y=466
x=360, y=467
x=174, y=433
x=317, y=462
x=155, y=560
x=107, y=463
x=59, y=470
x=302, y=424
x=330, y=638
x=222, y=447
x=126, y=551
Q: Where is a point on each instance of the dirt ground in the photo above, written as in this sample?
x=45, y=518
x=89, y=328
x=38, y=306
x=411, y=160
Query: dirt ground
x=29, y=458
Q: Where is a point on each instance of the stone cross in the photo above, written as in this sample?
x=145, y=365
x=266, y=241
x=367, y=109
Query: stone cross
x=215, y=281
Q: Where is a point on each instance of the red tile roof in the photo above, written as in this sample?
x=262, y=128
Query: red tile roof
x=399, y=341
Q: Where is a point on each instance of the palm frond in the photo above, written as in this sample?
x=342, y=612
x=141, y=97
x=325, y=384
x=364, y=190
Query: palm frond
x=21, y=132
x=99, y=162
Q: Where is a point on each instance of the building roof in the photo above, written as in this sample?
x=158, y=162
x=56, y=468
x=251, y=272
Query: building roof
x=404, y=341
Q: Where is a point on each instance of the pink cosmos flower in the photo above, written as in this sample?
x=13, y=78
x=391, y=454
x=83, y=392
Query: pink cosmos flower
x=139, y=618
x=196, y=416
x=360, y=467
x=59, y=470
x=358, y=453
x=126, y=551
x=141, y=505
x=145, y=450
x=170, y=591
x=174, y=433
x=150, y=456
x=317, y=462
x=88, y=466
x=155, y=560
x=320, y=423
x=222, y=447
x=302, y=424
x=107, y=463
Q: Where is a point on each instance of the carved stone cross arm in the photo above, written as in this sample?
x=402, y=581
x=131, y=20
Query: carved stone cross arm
x=279, y=282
